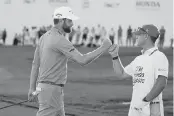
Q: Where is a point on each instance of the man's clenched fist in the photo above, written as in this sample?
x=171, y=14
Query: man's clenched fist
x=113, y=50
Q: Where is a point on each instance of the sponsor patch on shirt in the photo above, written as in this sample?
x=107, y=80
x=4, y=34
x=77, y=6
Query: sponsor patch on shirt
x=139, y=76
x=162, y=69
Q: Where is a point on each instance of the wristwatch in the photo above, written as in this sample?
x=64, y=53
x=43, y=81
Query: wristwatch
x=115, y=58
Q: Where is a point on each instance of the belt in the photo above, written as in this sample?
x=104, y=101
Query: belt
x=51, y=83
x=154, y=102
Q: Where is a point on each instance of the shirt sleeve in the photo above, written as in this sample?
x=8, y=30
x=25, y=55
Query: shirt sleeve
x=66, y=47
x=161, y=66
x=129, y=68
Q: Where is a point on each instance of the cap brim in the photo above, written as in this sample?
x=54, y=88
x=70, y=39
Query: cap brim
x=55, y=17
x=137, y=32
x=73, y=17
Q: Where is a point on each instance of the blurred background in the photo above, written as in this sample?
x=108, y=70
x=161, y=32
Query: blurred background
x=26, y=20
x=91, y=90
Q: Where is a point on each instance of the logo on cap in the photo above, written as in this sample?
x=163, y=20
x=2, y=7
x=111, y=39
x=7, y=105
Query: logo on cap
x=58, y=15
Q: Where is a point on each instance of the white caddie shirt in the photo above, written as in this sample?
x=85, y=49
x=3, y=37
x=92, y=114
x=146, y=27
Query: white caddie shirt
x=145, y=69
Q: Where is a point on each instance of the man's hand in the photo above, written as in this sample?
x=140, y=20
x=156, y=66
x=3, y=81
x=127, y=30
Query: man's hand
x=31, y=96
x=106, y=43
x=113, y=50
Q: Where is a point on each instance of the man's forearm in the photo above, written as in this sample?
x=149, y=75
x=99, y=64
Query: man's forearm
x=157, y=89
x=118, y=67
x=33, y=77
x=91, y=56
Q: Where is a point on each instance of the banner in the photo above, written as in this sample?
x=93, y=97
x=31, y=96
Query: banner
x=148, y=4
x=28, y=1
x=7, y=1
x=111, y=3
x=86, y=4
x=57, y=2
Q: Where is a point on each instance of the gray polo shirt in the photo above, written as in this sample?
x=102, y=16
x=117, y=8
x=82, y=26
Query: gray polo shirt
x=52, y=55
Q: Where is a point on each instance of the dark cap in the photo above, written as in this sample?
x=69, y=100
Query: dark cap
x=151, y=30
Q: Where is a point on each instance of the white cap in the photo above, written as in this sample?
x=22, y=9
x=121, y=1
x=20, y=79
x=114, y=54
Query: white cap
x=64, y=12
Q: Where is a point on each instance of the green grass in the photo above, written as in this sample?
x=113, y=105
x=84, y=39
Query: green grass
x=92, y=87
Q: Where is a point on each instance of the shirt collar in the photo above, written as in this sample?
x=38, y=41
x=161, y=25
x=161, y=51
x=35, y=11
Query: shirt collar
x=58, y=30
x=149, y=51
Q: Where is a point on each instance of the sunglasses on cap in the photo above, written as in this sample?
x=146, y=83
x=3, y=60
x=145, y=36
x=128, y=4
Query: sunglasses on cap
x=141, y=29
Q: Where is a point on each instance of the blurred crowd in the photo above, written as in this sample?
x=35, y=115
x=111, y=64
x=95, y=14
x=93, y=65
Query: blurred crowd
x=87, y=37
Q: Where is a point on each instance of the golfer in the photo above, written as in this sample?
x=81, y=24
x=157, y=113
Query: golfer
x=149, y=73
x=49, y=68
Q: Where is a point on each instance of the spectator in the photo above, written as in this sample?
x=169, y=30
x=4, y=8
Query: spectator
x=91, y=42
x=1, y=41
x=16, y=40
x=78, y=34
x=162, y=36
x=120, y=35
x=134, y=38
x=27, y=36
x=98, y=33
x=0, y=34
x=93, y=35
x=71, y=35
x=24, y=34
x=33, y=35
x=20, y=38
x=85, y=35
x=171, y=43
x=4, y=36
x=129, y=36
x=41, y=31
x=112, y=35
x=49, y=27
x=103, y=32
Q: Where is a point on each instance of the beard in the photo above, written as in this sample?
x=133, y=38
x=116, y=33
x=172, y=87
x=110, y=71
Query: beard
x=66, y=28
